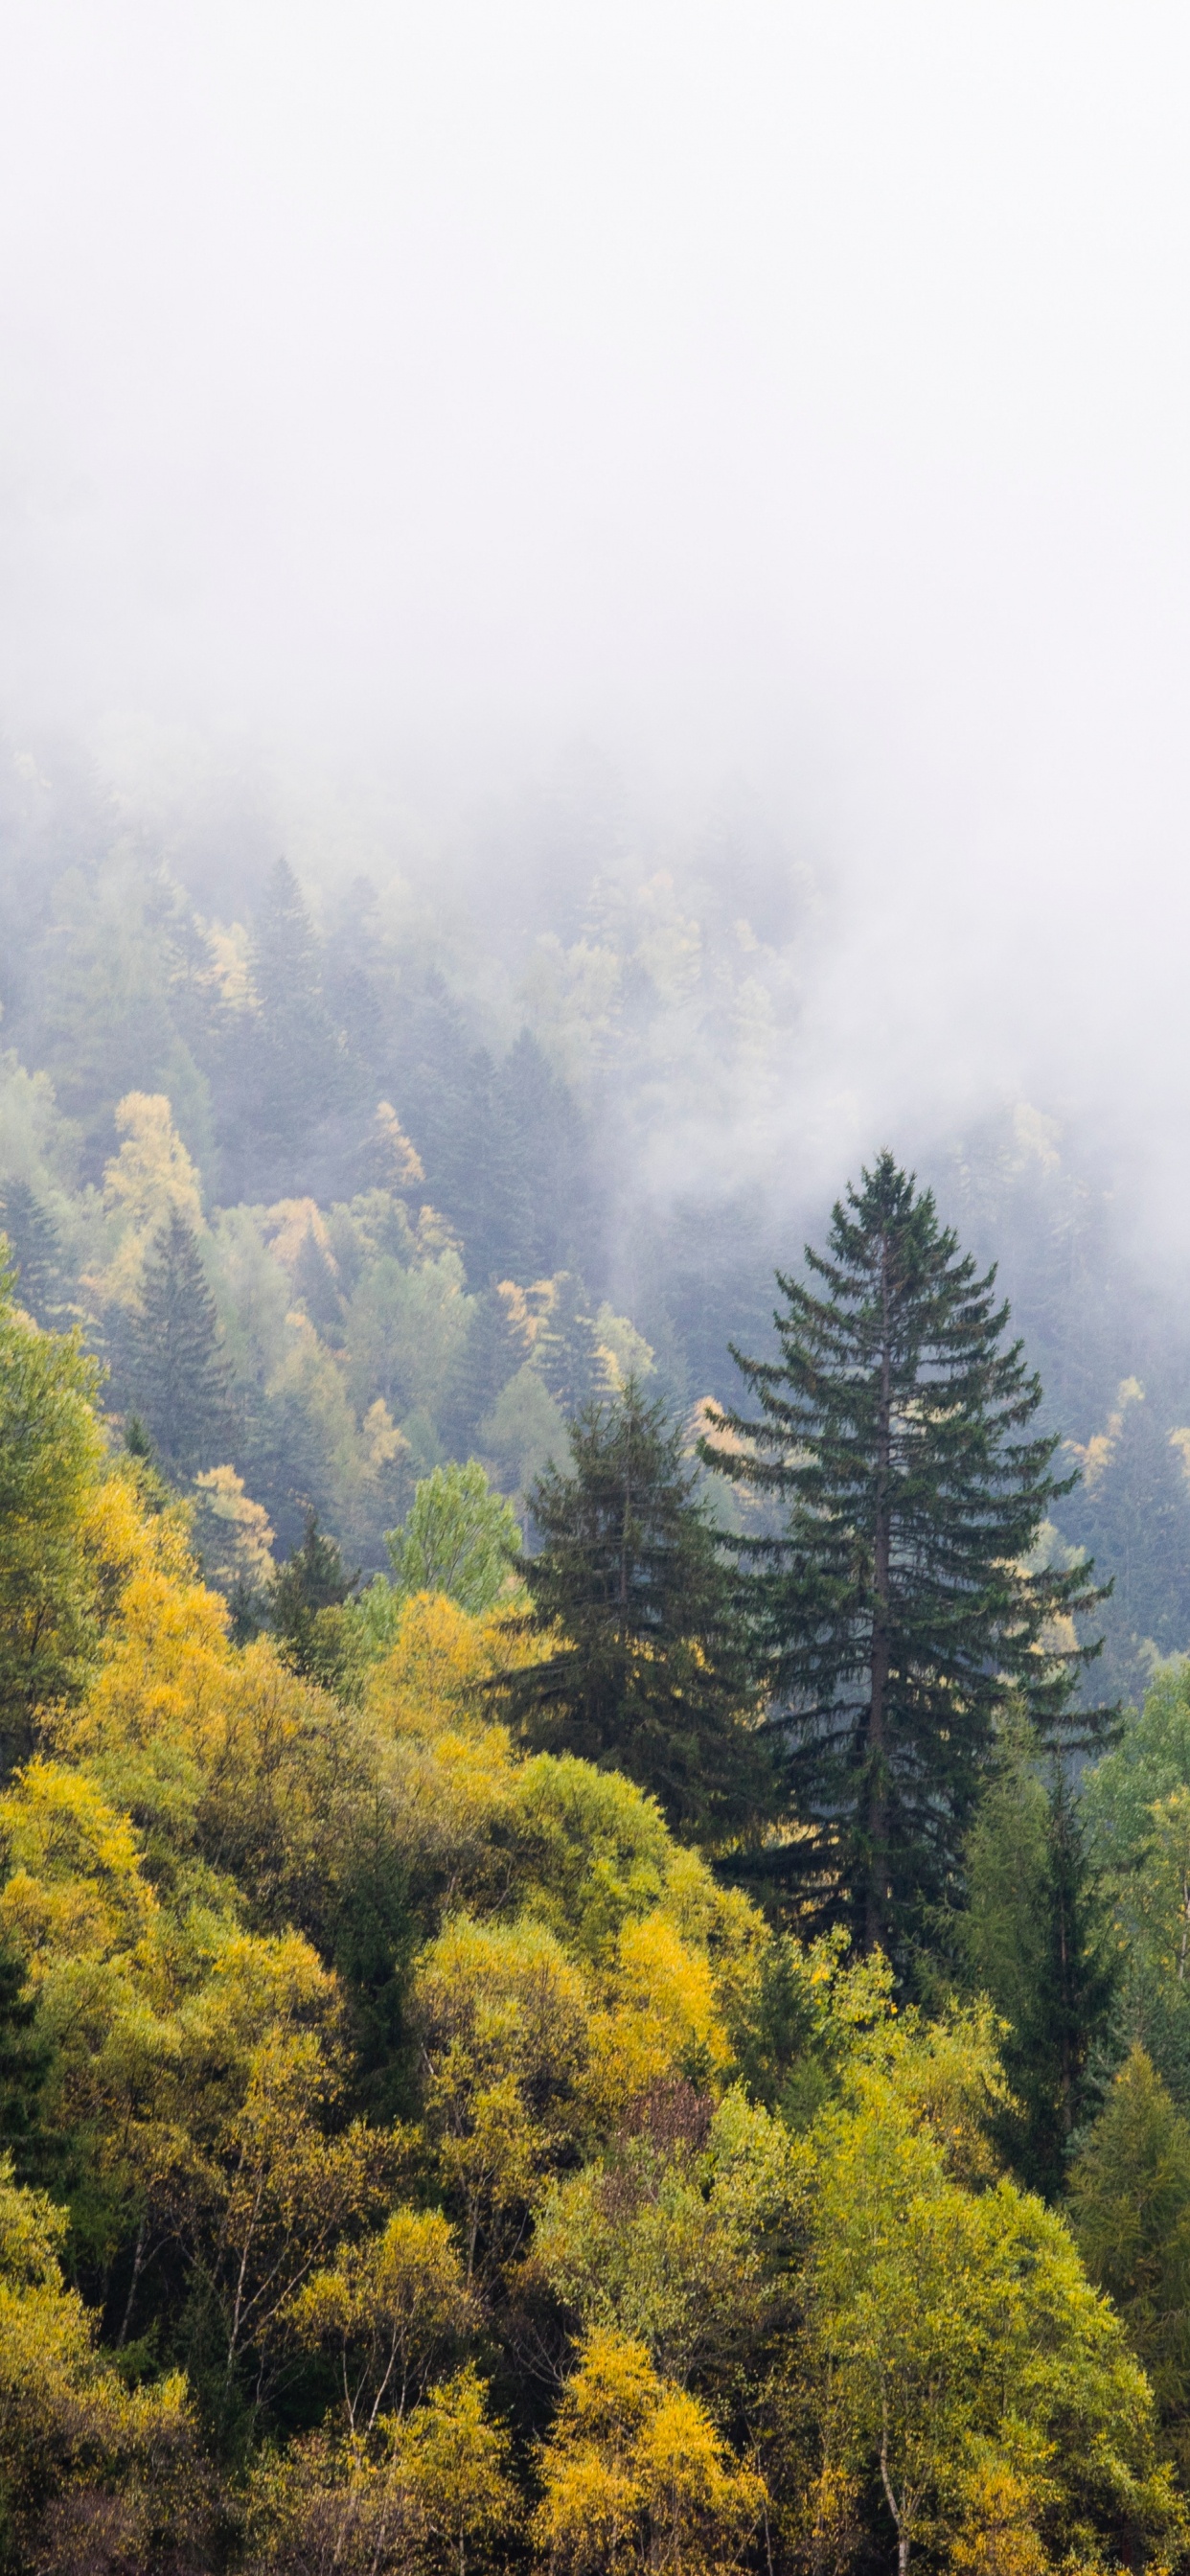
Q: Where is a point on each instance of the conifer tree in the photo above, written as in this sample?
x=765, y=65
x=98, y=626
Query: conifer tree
x=306, y=1596
x=893, y=1614
x=496, y=1347
x=650, y=1675
x=287, y=1077
x=1037, y=1938
x=317, y=1289
x=36, y=1252
x=1071, y=2000
x=179, y=1374
x=566, y=1349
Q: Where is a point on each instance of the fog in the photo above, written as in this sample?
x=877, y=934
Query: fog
x=773, y=404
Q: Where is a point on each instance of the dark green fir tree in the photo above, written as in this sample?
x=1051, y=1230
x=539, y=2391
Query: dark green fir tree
x=652, y=1677
x=179, y=1375
x=894, y=1618
x=307, y=1596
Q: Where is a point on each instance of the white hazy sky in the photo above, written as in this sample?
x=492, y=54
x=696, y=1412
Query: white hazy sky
x=797, y=392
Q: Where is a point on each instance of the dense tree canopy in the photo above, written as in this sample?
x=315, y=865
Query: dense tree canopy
x=420, y=2159
x=420, y=2151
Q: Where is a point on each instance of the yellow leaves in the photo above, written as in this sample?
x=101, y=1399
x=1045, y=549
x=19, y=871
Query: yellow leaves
x=236, y=1534
x=395, y=1158
x=257, y=1989
x=75, y=1882
x=501, y=2012
x=65, y=2416
x=151, y=1174
x=152, y=1171
x=1162, y=1893
x=703, y=2510
x=167, y=1663
x=1095, y=1456
x=496, y=2002
x=386, y=2308
x=998, y=2535
x=441, y=1659
x=428, y=2495
x=661, y=2014
x=287, y=1225
x=636, y=2474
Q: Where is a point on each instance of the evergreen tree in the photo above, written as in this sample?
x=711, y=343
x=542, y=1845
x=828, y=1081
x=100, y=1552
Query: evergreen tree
x=179, y=1375
x=306, y=1597
x=649, y=1674
x=51, y=1448
x=36, y=1251
x=288, y=1079
x=1130, y=2213
x=317, y=1289
x=1073, y=1996
x=556, y=1190
x=1133, y=1513
x=893, y=1615
x=566, y=1349
x=1038, y=1940
x=495, y=1348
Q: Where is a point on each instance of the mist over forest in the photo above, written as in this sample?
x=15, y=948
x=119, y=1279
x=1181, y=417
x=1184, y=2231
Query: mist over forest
x=594, y=1348
x=571, y=1084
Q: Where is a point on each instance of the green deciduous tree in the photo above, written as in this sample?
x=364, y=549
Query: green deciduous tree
x=460, y=1538
x=50, y=1453
x=649, y=1668
x=952, y=2332
x=1130, y=2210
x=893, y=1612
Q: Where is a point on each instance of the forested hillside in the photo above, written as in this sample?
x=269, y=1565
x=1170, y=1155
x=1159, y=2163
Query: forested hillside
x=451, y=1163
x=418, y=2157
x=592, y=1972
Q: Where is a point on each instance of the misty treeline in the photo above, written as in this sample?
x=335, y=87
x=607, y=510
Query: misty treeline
x=593, y=1975
x=448, y=1163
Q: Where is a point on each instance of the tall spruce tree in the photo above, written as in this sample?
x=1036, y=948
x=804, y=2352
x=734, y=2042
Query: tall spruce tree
x=287, y=1079
x=179, y=1375
x=651, y=1673
x=893, y=1614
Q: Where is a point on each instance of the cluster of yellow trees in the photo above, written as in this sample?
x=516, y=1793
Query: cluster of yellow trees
x=417, y=2160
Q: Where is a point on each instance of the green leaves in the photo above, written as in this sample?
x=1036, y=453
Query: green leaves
x=460, y=1539
x=51, y=1449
